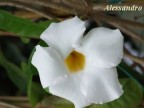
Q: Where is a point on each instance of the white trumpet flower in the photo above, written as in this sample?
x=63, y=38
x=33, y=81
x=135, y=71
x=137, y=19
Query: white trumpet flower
x=81, y=69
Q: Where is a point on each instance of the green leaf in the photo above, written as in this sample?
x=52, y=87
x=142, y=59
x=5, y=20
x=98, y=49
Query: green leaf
x=15, y=73
x=25, y=70
x=20, y=26
x=25, y=40
x=46, y=23
x=35, y=91
x=131, y=98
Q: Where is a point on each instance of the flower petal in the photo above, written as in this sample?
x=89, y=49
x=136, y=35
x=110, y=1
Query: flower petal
x=101, y=85
x=70, y=90
x=64, y=35
x=103, y=47
x=49, y=65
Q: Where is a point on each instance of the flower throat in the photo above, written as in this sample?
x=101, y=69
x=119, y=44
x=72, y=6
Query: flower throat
x=75, y=61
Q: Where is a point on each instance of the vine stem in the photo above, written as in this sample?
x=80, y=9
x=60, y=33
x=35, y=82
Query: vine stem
x=116, y=20
x=27, y=7
x=135, y=59
x=50, y=4
x=6, y=105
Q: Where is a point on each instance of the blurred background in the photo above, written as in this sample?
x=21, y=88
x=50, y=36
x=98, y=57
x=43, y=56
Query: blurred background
x=22, y=22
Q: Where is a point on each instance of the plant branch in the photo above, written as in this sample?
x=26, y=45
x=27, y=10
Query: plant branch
x=6, y=105
x=50, y=4
x=9, y=98
x=116, y=20
x=135, y=59
x=2, y=33
x=127, y=31
x=26, y=14
x=27, y=7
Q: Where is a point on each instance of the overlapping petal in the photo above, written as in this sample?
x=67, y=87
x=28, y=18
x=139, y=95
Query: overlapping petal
x=70, y=89
x=50, y=66
x=103, y=47
x=101, y=85
x=64, y=35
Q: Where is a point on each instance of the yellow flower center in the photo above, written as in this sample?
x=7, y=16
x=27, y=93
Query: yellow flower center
x=75, y=61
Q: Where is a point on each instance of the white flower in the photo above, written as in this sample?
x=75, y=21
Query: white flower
x=80, y=69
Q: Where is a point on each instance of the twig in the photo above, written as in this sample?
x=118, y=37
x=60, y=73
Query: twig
x=6, y=34
x=50, y=4
x=27, y=14
x=116, y=20
x=80, y=7
x=16, y=101
x=135, y=59
x=124, y=29
x=77, y=5
x=99, y=7
x=6, y=105
x=127, y=31
x=27, y=7
x=9, y=98
x=140, y=16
